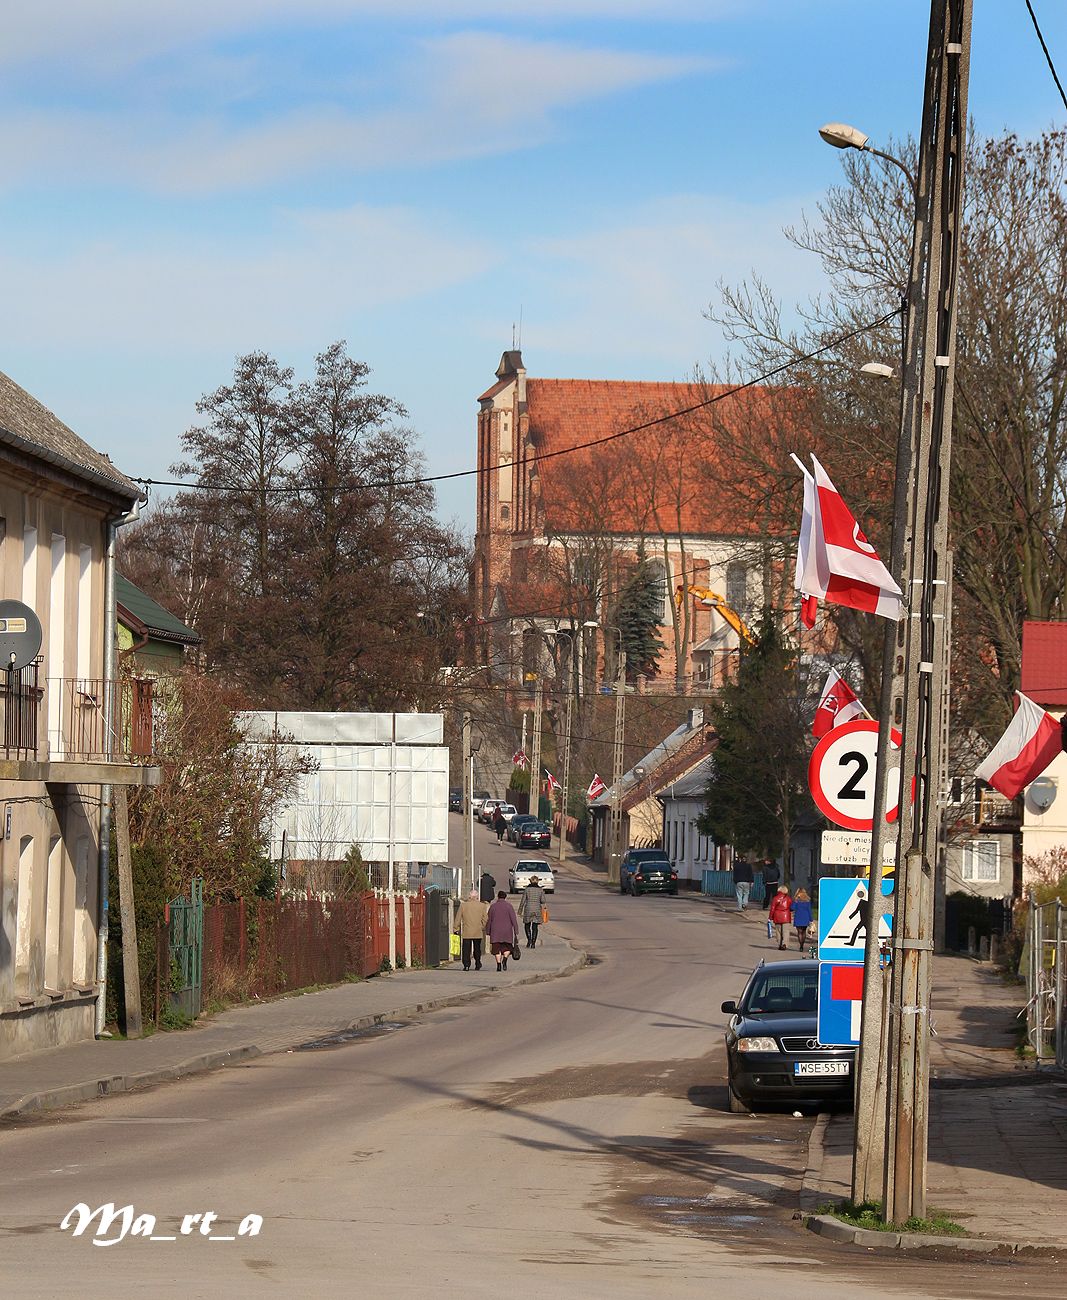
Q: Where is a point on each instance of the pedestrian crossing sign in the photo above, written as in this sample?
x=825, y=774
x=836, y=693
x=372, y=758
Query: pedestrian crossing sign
x=843, y=913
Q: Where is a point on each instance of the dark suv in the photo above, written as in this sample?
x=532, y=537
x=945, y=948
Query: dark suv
x=647, y=871
x=773, y=1051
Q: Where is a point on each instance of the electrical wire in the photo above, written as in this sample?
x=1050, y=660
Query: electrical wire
x=1045, y=51
x=548, y=455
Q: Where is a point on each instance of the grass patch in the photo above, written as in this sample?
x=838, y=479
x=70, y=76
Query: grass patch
x=869, y=1215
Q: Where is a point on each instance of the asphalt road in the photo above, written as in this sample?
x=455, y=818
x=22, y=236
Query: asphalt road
x=567, y=1139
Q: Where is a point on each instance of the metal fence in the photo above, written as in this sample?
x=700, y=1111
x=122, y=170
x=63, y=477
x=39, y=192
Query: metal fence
x=1044, y=965
x=271, y=946
x=720, y=884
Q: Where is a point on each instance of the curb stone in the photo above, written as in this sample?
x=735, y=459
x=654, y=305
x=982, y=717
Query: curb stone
x=111, y=1084
x=835, y=1230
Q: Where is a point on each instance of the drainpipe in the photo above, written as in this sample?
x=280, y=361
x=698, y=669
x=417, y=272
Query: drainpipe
x=113, y=526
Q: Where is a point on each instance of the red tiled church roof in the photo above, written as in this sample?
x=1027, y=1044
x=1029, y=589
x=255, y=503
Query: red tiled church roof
x=1044, y=666
x=663, y=475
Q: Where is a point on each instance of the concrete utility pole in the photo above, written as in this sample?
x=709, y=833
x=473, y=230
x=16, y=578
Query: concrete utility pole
x=617, y=769
x=535, y=751
x=915, y=663
x=568, y=715
x=468, y=792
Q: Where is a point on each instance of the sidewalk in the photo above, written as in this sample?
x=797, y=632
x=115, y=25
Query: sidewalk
x=998, y=1128
x=64, y=1075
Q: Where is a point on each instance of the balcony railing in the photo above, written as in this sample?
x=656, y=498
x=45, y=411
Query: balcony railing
x=66, y=719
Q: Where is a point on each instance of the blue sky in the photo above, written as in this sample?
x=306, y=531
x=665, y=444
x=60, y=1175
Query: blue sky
x=186, y=180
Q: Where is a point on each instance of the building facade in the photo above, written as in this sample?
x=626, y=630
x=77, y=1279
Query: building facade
x=567, y=508
x=59, y=503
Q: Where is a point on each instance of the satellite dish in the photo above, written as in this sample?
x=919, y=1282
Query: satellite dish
x=1042, y=792
x=20, y=635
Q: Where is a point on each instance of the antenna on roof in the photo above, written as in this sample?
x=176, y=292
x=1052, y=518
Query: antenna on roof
x=513, y=336
x=520, y=326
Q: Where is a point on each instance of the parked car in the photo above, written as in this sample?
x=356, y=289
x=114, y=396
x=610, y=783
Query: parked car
x=520, y=819
x=647, y=871
x=519, y=874
x=488, y=810
x=455, y=800
x=533, y=834
x=507, y=811
x=477, y=799
x=773, y=1051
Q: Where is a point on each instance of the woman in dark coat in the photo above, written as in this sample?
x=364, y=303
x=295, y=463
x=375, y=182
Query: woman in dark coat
x=502, y=927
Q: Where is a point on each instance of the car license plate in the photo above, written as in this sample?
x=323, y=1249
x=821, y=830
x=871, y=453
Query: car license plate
x=820, y=1067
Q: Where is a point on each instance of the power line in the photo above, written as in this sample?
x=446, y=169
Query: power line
x=548, y=455
x=1045, y=51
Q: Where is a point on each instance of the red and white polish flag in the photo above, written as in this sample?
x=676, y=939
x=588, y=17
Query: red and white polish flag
x=519, y=759
x=551, y=782
x=838, y=703
x=858, y=578
x=596, y=788
x=1031, y=742
x=811, y=575
x=835, y=561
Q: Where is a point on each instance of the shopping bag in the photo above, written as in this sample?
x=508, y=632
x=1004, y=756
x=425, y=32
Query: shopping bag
x=454, y=946
x=544, y=915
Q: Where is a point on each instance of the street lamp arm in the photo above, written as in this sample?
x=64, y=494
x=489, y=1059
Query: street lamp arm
x=880, y=153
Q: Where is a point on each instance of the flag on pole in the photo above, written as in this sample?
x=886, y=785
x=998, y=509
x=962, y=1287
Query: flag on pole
x=596, y=788
x=810, y=579
x=838, y=703
x=553, y=784
x=1031, y=742
x=519, y=759
x=835, y=561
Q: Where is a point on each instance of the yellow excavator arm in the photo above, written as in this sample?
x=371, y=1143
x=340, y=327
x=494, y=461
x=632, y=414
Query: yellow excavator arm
x=712, y=600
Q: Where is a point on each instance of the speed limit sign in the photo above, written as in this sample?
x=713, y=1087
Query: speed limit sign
x=841, y=775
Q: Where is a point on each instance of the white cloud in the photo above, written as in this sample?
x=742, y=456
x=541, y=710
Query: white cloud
x=307, y=277
x=104, y=35
x=464, y=96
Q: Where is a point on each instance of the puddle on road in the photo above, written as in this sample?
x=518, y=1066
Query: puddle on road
x=353, y=1036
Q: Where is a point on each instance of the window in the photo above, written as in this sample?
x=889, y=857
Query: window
x=981, y=862
x=657, y=575
x=737, y=585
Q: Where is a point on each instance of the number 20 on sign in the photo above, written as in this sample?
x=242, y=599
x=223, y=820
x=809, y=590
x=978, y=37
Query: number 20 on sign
x=841, y=775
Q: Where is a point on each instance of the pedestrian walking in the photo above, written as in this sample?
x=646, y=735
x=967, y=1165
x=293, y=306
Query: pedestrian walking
x=502, y=926
x=487, y=887
x=802, y=916
x=531, y=909
x=742, y=881
x=499, y=824
x=470, y=926
x=772, y=878
x=781, y=912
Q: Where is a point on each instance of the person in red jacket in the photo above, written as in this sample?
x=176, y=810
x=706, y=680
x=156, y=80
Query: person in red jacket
x=781, y=913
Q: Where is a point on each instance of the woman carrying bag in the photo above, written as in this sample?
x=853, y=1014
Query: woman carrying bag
x=532, y=909
x=502, y=926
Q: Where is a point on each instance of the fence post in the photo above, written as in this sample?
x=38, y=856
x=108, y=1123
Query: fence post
x=407, y=930
x=242, y=934
x=1057, y=975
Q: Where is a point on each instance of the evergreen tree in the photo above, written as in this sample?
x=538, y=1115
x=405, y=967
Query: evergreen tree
x=638, y=616
x=759, y=781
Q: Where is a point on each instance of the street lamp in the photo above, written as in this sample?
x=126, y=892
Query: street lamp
x=878, y=369
x=842, y=136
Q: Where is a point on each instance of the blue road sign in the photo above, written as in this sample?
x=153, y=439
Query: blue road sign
x=840, y=1000
x=843, y=918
